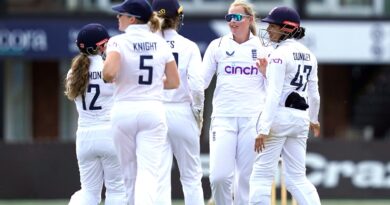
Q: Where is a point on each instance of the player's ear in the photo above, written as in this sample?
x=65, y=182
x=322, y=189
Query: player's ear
x=251, y=19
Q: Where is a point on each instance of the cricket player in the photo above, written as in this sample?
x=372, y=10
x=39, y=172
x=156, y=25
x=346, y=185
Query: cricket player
x=96, y=156
x=184, y=110
x=141, y=65
x=238, y=98
x=291, y=108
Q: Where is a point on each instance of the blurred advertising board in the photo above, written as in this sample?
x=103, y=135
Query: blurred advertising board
x=55, y=38
x=333, y=41
x=338, y=169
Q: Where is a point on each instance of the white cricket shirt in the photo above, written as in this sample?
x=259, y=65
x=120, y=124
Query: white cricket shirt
x=240, y=88
x=189, y=62
x=291, y=67
x=95, y=105
x=143, y=57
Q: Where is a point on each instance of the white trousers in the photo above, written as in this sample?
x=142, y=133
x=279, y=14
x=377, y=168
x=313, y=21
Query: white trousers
x=139, y=134
x=287, y=140
x=182, y=142
x=231, y=158
x=98, y=164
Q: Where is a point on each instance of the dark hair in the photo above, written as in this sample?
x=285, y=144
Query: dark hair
x=77, y=80
x=299, y=33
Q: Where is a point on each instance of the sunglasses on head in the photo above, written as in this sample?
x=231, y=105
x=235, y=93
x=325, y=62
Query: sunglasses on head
x=235, y=17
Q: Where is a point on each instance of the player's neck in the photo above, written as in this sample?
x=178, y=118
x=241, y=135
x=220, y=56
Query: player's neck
x=241, y=38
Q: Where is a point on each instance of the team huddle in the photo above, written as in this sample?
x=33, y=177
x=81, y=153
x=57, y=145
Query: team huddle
x=140, y=99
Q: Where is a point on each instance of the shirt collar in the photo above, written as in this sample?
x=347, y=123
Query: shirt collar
x=250, y=35
x=138, y=27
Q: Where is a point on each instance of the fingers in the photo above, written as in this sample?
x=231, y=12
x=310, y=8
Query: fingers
x=316, y=133
x=316, y=128
x=260, y=143
x=261, y=64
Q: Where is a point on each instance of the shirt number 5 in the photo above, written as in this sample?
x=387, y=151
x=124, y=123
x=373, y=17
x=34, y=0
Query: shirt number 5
x=142, y=66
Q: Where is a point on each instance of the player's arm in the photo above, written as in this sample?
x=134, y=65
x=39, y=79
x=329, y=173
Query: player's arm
x=172, y=79
x=113, y=61
x=196, y=83
x=195, y=79
x=111, y=66
x=314, y=100
x=209, y=64
x=275, y=76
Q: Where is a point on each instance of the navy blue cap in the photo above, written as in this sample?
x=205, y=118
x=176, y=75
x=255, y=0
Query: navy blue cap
x=168, y=8
x=90, y=36
x=141, y=9
x=283, y=16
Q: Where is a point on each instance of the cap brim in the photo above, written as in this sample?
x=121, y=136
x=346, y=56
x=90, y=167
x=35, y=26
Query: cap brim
x=268, y=20
x=118, y=8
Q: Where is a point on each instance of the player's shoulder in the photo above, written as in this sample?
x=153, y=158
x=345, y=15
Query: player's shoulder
x=280, y=50
x=187, y=42
x=117, y=37
x=217, y=43
x=280, y=55
x=116, y=40
x=157, y=37
x=304, y=49
x=255, y=40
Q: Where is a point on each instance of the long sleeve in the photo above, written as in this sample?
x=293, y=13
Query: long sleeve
x=276, y=71
x=313, y=96
x=209, y=64
x=195, y=78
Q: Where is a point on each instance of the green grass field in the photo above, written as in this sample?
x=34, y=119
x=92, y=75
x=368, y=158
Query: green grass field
x=180, y=202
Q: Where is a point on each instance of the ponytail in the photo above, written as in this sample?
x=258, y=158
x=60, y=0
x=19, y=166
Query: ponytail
x=154, y=22
x=300, y=33
x=77, y=80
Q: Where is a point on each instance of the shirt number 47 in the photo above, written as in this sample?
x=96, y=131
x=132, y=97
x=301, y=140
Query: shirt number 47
x=300, y=79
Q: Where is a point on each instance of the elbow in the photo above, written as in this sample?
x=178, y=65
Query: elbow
x=176, y=84
x=171, y=84
x=108, y=75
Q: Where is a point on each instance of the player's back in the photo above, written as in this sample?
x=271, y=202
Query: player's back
x=143, y=58
x=95, y=105
x=301, y=67
x=185, y=52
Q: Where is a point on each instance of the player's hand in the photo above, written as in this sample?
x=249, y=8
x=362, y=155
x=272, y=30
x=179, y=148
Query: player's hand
x=260, y=143
x=261, y=64
x=316, y=129
x=198, y=114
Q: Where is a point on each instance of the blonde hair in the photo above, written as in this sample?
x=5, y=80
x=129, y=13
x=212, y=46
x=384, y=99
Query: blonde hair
x=77, y=80
x=169, y=22
x=248, y=8
x=154, y=22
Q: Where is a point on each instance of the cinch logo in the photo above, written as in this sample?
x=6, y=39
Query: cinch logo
x=276, y=60
x=241, y=70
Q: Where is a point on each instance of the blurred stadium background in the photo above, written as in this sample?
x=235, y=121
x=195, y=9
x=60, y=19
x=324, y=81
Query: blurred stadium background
x=351, y=39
